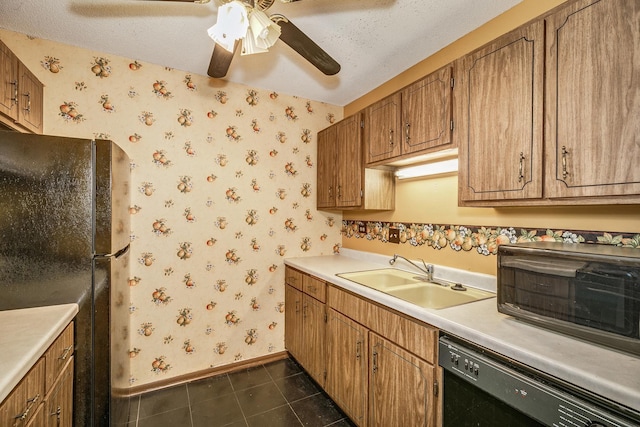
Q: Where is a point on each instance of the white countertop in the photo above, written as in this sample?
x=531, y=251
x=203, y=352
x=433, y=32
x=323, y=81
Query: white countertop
x=611, y=374
x=25, y=334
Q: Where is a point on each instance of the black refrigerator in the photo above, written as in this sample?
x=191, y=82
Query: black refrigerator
x=64, y=238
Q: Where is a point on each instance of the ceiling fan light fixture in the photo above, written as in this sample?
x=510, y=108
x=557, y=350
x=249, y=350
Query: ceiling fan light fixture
x=249, y=45
x=265, y=31
x=231, y=25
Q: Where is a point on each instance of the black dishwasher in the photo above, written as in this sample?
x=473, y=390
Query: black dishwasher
x=484, y=389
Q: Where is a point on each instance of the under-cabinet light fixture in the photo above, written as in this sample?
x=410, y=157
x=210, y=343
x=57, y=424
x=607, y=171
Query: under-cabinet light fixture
x=428, y=169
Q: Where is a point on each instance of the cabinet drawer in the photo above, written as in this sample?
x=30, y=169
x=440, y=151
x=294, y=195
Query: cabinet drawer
x=23, y=402
x=419, y=338
x=314, y=287
x=293, y=278
x=57, y=355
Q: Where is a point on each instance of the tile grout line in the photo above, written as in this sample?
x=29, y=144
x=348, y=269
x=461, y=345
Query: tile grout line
x=189, y=403
x=285, y=397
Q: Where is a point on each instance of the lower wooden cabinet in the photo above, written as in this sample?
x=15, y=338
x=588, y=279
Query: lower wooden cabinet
x=58, y=407
x=400, y=386
x=378, y=365
x=293, y=321
x=44, y=397
x=23, y=402
x=347, y=365
x=305, y=320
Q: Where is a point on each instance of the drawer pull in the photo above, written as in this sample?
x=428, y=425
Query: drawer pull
x=31, y=403
x=313, y=289
x=358, y=345
x=65, y=353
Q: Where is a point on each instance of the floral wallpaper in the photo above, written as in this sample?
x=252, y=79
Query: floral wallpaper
x=483, y=239
x=224, y=188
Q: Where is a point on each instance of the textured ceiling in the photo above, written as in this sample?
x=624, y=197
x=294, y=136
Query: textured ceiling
x=373, y=40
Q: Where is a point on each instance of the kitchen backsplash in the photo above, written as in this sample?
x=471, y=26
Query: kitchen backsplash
x=482, y=239
x=224, y=181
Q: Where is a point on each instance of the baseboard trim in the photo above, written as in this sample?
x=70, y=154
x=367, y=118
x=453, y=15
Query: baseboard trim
x=198, y=375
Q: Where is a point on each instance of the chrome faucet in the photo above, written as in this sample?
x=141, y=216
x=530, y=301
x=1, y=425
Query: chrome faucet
x=427, y=270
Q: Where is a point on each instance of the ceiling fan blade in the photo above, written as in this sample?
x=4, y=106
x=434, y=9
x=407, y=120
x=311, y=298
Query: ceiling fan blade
x=220, y=61
x=306, y=47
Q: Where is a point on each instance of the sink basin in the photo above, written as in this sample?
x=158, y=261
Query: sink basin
x=383, y=279
x=414, y=289
x=434, y=296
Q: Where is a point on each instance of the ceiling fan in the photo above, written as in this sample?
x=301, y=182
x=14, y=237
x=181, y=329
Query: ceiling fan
x=244, y=22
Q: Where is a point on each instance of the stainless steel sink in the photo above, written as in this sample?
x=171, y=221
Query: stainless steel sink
x=415, y=289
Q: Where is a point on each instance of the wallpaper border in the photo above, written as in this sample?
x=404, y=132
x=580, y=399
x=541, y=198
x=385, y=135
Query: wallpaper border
x=483, y=239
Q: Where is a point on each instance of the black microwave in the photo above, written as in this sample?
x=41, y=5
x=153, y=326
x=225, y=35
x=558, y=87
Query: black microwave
x=589, y=291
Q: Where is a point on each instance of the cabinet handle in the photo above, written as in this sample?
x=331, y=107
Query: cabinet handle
x=375, y=361
x=28, y=95
x=65, y=353
x=58, y=417
x=15, y=92
x=297, y=306
x=339, y=191
x=30, y=404
x=407, y=138
x=391, y=137
x=521, y=170
x=304, y=310
x=358, y=345
x=565, y=174
x=330, y=191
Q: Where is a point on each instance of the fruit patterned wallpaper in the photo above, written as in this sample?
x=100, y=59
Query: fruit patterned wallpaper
x=223, y=189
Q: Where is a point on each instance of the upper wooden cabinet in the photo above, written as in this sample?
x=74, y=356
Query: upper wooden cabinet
x=21, y=94
x=499, y=96
x=427, y=113
x=383, y=129
x=343, y=182
x=416, y=120
x=549, y=112
x=593, y=100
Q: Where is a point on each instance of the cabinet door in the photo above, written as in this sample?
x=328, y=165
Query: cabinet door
x=427, y=113
x=59, y=404
x=347, y=348
x=8, y=82
x=500, y=117
x=383, y=130
x=21, y=404
x=326, y=192
x=400, y=387
x=313, y=360
x=349, y=165
x=293, y=321
x=593, y=101
x=30, y=101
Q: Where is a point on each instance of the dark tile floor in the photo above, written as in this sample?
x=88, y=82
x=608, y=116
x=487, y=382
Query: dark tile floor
x=277, y=394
